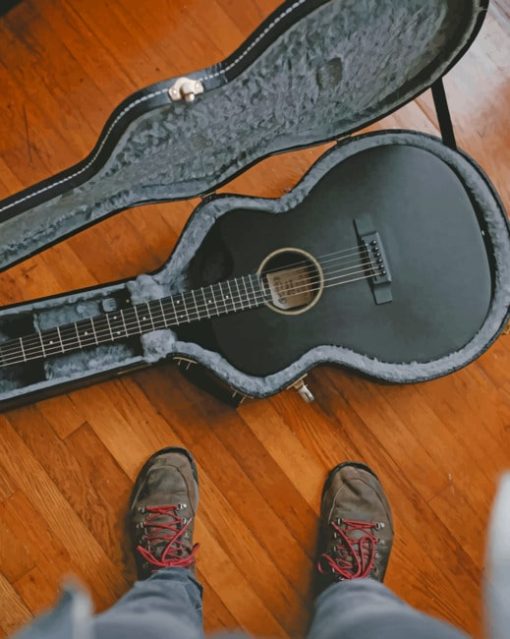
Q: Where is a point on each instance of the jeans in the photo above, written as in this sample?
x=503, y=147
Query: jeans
x=169, y=606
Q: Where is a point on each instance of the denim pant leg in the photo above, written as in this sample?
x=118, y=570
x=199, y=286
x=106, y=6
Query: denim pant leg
x=365, y=609
x=168, y=605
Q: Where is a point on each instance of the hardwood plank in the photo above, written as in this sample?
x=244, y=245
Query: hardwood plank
x=13, y=612
x=61, y=415
x=7, y=485
x=64, y=523
x=15, y=556
x=36, y=590
x=79, y=468
x=49, y=554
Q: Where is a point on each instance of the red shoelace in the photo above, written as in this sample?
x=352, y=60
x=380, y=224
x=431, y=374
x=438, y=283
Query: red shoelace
x=354, y=556
x=176, y=553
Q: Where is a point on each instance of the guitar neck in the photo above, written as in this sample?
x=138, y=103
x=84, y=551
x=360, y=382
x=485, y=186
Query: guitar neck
x=231, y=296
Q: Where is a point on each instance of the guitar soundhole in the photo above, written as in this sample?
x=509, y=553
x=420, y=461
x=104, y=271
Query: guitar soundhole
x=293, y=279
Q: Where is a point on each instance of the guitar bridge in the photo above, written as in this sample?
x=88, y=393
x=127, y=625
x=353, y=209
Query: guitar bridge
x=371, y=242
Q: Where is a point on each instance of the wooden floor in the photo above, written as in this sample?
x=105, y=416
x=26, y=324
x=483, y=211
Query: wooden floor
x=67, y=465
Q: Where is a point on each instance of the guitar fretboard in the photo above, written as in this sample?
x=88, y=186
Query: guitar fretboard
x=230, y=296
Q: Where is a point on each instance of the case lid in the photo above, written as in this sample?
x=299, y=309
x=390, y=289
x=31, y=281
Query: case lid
x=314, y=70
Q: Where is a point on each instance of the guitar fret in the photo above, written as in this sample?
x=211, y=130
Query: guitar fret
x=224, y=296
x=185, y=306
x=23, y=354
x=255, y=298
x=239, y=293
x=109, y=325
x=42, y=344
x=214, y=300
x=195, y=302
x=135, y=310
x=163, y=316
x=204, y=302
x=124, y=322
x=175, y=310
x=231, y=296
x=60, y=339
x=247, y=292
x=150, y=315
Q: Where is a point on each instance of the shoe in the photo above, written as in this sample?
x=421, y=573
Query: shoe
x=162, y=512
x=356, y=532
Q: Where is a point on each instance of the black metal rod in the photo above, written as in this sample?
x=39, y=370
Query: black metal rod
x=443, y=114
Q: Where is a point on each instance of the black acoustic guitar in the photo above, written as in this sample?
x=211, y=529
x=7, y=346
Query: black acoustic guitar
x=386, y=257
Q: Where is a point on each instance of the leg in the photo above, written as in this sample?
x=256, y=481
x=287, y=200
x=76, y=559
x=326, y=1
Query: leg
x=365, y=609
x=165, y=602
x=354, y=548
x=168, y=605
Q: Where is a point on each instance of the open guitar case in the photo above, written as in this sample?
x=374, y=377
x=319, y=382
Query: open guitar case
x=314, y=71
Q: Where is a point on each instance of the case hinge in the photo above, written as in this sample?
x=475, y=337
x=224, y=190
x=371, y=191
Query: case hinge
x=185, y=362
x=185, y=89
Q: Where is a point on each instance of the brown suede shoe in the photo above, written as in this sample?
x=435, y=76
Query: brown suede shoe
x=162, y=510
x=356, y=526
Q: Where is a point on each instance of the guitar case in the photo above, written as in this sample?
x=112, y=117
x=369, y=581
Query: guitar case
x=314, y=71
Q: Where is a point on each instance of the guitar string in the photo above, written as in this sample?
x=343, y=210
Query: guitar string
x=76, y=342
x=99, y=332
x=346, y=254
x=353, y=250
x=13, y=361
x=34, y=340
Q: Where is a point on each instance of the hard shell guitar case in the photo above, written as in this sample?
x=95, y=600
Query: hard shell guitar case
x=314, y=71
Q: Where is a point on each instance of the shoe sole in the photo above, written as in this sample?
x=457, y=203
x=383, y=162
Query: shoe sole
x=170, y=449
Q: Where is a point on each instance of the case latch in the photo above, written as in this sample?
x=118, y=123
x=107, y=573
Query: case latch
x=303, y=391
x=185, y=89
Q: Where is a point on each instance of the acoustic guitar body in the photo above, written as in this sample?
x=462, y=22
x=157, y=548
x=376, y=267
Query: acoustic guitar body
x=434, y=248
